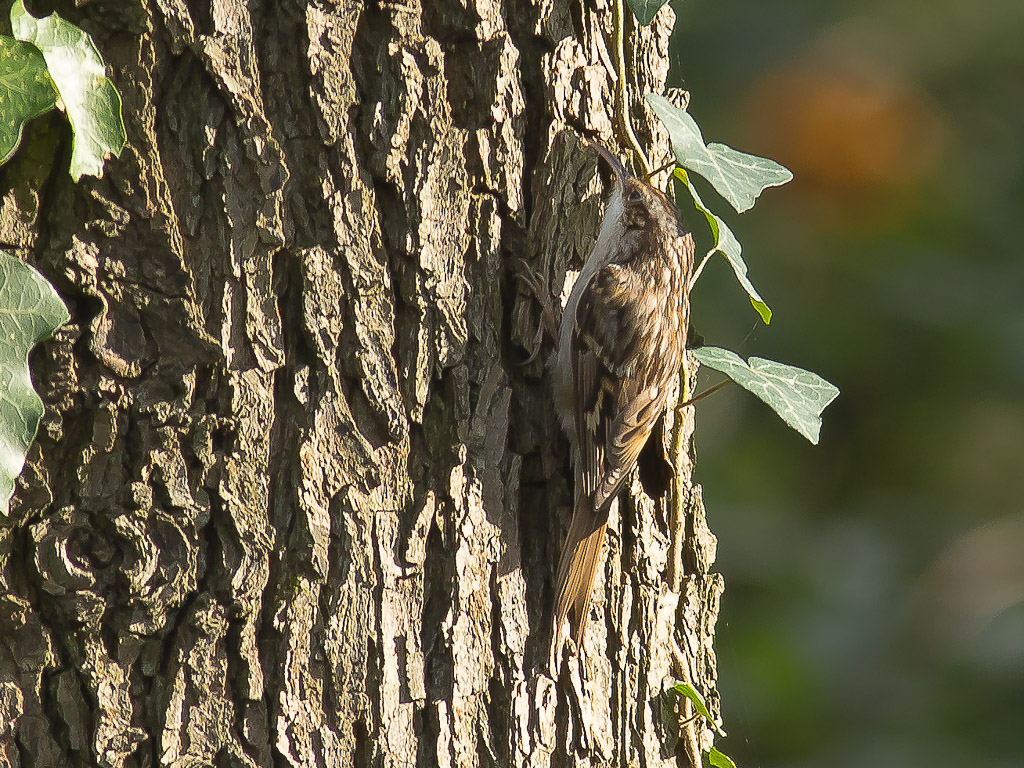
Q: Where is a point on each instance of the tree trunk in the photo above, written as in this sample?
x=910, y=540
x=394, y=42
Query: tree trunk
x=297, y=499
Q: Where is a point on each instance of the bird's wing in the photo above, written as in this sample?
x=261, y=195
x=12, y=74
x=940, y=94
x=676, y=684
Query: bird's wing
x=596, y=358
x=639, y=404
x=626, y=356
x=615, y=408
x=652, y=341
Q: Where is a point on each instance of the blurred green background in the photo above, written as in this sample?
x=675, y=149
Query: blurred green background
x=874, y=607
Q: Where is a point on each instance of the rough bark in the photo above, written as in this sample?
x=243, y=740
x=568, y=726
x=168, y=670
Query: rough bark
x=297, y=500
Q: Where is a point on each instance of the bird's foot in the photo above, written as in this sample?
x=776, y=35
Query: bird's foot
x=549, y=319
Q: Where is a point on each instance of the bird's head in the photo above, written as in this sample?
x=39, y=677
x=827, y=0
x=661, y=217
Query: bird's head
x=635, y=203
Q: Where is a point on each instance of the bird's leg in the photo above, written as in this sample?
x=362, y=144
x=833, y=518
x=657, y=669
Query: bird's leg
x=549, y=318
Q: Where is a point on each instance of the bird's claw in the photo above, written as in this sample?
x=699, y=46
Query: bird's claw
x=549, y=321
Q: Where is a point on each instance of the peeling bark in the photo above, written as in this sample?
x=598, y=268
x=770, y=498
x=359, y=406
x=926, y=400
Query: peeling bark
x=297, y=499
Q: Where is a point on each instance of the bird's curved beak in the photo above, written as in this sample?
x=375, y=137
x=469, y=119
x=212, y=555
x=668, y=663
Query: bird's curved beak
x=613, y=162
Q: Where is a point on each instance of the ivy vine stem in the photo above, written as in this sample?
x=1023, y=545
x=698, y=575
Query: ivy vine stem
x=700, y=267
x=677, y=511
x=702, y=395
x=623, y=89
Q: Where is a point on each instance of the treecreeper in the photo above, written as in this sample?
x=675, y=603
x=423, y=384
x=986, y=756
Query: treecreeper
x=620, y=346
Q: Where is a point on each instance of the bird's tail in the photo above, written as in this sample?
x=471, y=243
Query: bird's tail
x=577, y=567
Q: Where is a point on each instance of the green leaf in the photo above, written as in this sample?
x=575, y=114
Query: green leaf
x=720, y=759
x=727, y=245
x=798, y=396
x=25, y=91
x=30, y=310
x=687, y=690
x=735, y=175
x=646, y=10
x=90, y=99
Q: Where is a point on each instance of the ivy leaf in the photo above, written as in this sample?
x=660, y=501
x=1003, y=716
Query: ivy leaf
x=30, y=310
x=798, y=396
x=25, y=91
x=727, y=245
x=735, y=175
x=687, y=690
x=646, y=10
x=719, y=759
x=90, y=99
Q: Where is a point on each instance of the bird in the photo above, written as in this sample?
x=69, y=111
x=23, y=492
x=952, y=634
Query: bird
x=620, y=346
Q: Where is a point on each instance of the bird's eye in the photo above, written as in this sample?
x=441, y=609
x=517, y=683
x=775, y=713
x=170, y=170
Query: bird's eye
x=635, y=195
